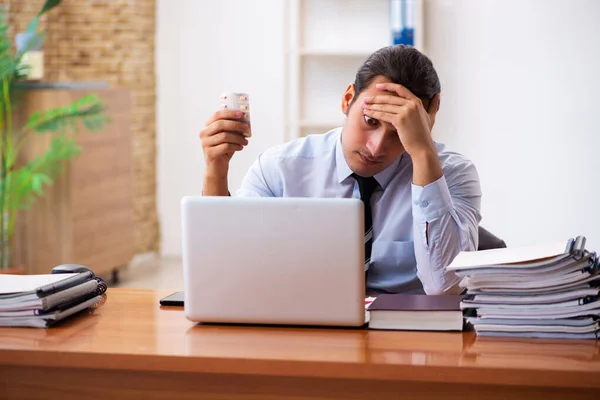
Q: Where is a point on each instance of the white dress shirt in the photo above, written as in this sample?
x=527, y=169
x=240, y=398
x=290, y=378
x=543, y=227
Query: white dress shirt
x=417, y=230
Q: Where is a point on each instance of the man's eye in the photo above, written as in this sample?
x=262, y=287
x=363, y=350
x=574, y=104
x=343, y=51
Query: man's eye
x=371, y=121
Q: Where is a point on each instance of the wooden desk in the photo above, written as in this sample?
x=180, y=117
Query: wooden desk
x=131, y=348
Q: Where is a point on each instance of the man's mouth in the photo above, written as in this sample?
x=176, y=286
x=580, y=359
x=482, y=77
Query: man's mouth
x=368, y=160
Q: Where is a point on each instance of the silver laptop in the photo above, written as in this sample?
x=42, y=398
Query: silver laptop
x=290, y=261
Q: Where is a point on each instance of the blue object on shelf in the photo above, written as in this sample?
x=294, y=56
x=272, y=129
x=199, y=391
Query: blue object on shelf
x=402, y=21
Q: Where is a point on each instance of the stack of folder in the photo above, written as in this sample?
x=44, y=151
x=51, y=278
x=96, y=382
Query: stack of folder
x=544, y=291
x=42, y=301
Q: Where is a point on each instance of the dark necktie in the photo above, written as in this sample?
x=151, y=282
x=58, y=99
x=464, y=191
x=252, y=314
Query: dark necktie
x=367, y=186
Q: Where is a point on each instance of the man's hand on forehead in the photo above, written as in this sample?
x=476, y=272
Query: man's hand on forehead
x=398, y=106
x=397, y=90
x=413, y=123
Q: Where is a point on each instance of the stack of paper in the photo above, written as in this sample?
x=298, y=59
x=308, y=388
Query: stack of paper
x=538, y=291
x=43, y=300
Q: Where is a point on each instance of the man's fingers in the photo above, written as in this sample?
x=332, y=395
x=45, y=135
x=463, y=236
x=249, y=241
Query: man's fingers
x=225, y=137
x=389, y=108
x=385, y=99
x=396, y=88
x=225, y=114
x=226, y=126
x=380, y=115
x=231, y=126
x=224, y=148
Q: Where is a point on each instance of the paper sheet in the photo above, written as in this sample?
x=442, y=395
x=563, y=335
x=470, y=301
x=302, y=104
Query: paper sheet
x=473, y=259
x=27, y=283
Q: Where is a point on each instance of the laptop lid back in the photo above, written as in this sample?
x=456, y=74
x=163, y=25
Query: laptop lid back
x=274, y=260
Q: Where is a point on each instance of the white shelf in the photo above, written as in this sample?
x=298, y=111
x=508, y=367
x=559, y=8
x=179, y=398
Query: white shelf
x=362, y=24
x=327, y=41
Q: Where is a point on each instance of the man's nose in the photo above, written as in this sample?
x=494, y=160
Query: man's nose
x=376, y=144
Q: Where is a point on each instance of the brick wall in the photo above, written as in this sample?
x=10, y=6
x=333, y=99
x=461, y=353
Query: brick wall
x=112, y=41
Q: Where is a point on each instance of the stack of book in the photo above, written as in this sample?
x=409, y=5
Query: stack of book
x=42, y=301
x=543, y=291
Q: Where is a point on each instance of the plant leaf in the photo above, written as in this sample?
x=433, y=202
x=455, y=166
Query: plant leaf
x=88, y=110
x=10, y=157
x=8, y=64
x=32, y=27
x=48, y=5
x=26, y=184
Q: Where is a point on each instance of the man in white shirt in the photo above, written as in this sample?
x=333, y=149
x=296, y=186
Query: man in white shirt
x=422, y=201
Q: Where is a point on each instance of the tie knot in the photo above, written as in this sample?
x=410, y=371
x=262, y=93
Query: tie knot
x=366, y=186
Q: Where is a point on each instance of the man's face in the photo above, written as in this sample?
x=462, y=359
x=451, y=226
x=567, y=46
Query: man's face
x=369, y=145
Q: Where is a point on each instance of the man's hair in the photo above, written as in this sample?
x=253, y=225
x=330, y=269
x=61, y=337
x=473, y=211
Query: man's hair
x=401, y=64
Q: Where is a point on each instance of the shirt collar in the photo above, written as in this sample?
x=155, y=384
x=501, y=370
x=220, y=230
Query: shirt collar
x=344, y=171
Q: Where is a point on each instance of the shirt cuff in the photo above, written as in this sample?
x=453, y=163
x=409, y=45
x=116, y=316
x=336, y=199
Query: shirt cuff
x=431, y=201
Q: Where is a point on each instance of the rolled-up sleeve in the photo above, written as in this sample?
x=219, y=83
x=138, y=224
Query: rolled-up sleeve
x=446, y=216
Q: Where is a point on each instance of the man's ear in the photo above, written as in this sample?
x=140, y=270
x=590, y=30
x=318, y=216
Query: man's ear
x=434, y=107
x=347, y=98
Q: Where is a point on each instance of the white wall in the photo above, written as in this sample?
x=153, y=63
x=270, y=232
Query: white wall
x=205, y=48
x=521, y=83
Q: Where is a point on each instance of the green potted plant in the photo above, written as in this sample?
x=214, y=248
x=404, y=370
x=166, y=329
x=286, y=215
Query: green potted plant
x=22, y=183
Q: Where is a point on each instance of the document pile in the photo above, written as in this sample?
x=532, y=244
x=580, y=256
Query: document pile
x=41, y=301
x=544, y=291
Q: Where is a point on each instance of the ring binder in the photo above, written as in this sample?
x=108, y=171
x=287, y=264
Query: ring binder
x=578, y=247
x=569, y=248
x=593, y=264
x=535, y=295
x=100, y=303
x=64, y=284
x=44, y=302
x=102, y=288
